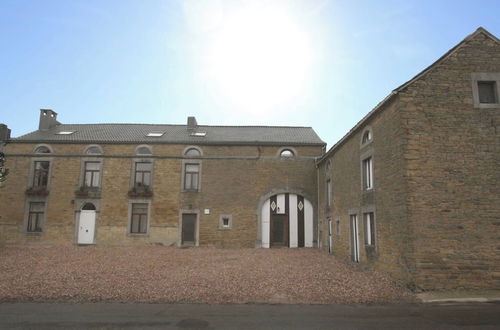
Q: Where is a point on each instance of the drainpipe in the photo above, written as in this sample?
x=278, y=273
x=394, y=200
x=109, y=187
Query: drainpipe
x=318, y=239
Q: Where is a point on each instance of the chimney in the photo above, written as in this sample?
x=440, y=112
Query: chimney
x=4, y=133
x=192, y=124
x=47, y=119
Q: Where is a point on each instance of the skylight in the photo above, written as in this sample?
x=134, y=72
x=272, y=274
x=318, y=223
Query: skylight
x=199, y=134
x=155, y=134
x=65, y=132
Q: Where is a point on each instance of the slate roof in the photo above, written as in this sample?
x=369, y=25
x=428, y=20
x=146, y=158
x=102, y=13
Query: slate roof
x=136, y=133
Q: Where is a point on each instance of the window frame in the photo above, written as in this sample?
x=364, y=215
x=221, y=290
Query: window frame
x=479, y=77
x=27, y=212
x=369, y=227
x=92, y=174
x=143, y=173
x=366, y=130
x=288, y=148
x=91, y=158
x=221, y=222
x=191, y=160
x=191, y=174
x=367, y=173
x=32, y=171
x=131, y=214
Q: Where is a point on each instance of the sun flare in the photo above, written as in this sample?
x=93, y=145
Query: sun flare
x=259, y=59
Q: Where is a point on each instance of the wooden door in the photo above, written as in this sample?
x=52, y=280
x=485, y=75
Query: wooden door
x=279, y=230
x=189, y=229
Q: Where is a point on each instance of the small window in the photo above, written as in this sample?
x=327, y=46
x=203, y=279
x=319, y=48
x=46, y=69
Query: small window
x=199, y=134
x=35, y=217
x=225, y=221
x=192, y=152
x=88, y=207
x=139, y=220
x=487, y=92
x=367, y=137
x=65, y=132
x=155, y=134
x=42, y=150
x=287, y=153
x=329, y=192
x=367, y=166
x=92, y=173
x=369, y=220
x=191, y=176
x=142, y=176
x=337, y=225
x=143, y=150
x=93, y=150
x=41, y=174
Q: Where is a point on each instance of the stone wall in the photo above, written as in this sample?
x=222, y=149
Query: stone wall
x=233, y=178
x=453, y=170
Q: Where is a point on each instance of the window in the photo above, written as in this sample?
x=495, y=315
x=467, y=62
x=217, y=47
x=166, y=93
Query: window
x=191, y=176
x=93, y=150
x=155, y=134
x=42, y=150
x=200, y=134
x=143, y=150
x=65, y=132
x=225, y=221
x=328, y=193
x=367, y=137
x=337, y=221
x=41, y=174
x=142, y=176
x=367, y=166
x=287, y=153
x=139, y=218
x=487, y=92
x=369, y=220
x=192, y=152
x=91, y=174
x=35, y=217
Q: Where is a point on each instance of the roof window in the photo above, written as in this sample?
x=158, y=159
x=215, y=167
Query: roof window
x=155, y=134
x=199, y=134
x=65, y=132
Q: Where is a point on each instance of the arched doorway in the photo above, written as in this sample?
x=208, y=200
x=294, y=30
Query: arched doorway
x=86, y=224
x=287, y=221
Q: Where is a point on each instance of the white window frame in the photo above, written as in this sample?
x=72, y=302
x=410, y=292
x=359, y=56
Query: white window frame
x=221, y=221
x=367, y=173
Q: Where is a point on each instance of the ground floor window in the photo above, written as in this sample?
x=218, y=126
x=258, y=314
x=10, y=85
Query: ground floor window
x=369, y=221
x=139, y=221
x=35, y=217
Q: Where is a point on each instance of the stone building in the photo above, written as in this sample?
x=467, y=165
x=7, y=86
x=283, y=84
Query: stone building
x=168, y=184
x=414, y=187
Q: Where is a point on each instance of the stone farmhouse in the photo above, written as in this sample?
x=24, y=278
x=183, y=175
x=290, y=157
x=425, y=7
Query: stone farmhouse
x=413, y=189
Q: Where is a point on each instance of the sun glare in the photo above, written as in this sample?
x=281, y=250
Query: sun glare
x=259, y=59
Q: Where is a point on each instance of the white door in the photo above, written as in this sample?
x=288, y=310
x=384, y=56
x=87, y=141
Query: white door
x=86, y=227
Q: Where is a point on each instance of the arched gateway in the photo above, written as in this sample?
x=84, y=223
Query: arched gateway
x=286, y=221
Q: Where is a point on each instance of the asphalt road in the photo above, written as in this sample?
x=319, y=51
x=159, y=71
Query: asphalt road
x=194, y=316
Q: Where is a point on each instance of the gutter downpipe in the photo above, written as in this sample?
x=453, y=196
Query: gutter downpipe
x=317, y=205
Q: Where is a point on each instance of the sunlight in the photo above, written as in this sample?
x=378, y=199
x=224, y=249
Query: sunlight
x=260, y=59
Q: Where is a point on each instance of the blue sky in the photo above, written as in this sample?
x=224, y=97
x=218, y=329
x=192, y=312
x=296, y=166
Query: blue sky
x=146, y=61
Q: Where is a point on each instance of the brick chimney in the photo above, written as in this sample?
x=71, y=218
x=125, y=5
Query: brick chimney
x=192, y=124
x=48, y=119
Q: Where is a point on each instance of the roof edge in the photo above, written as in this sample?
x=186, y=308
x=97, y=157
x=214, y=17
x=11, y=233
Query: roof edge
x=405, y=85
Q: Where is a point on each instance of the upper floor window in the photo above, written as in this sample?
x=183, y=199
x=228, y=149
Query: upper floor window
x=192, y=152
x=191, y=176
x=93, y=150
x=143, y=150
x=92, y=171
x=41, y=174
x=328, y=192
x=287, y=153
x=486, y=89
x=487, y=92
x=42, y=150
x=367, y=136
x=142, y=174
x=367, y=167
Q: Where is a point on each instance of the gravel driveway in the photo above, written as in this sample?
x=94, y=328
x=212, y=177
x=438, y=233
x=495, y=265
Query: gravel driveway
x=201, y=275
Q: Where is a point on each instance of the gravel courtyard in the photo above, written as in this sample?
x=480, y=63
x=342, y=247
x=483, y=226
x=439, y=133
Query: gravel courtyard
x=197, y=275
